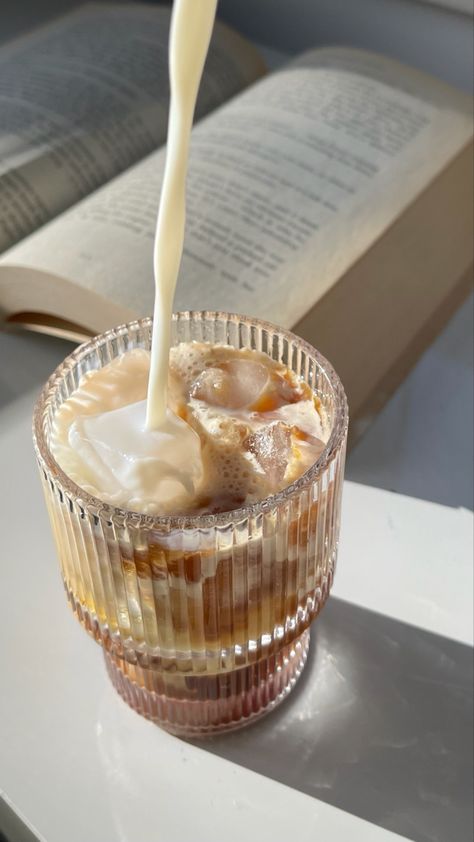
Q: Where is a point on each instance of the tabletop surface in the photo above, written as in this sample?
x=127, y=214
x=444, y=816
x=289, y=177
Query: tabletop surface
x=375, y=740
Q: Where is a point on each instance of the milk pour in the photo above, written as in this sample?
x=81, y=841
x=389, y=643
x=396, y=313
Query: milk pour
x=144, y=447
x=137, y=453
x=191, y=28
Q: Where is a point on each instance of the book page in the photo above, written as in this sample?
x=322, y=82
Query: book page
x=289, y=184
x=85, y=97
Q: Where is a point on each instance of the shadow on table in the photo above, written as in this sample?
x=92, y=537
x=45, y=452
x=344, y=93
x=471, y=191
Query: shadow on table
x=379, y=725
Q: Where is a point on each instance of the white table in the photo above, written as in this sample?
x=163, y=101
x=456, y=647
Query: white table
x=375, y=739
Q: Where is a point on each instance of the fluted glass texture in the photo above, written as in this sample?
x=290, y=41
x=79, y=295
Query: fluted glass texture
x=203, y=619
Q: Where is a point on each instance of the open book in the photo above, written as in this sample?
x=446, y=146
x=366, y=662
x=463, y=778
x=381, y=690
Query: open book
x=332, y=196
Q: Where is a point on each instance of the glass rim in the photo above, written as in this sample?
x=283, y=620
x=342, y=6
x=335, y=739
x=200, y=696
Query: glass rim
x=99, y=508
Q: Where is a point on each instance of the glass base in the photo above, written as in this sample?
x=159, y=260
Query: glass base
x=198, y=705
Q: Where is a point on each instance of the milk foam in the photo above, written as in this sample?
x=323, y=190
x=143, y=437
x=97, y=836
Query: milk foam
x=151, y=468
x=207, y=456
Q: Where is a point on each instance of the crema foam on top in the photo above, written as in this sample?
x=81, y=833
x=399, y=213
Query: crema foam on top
x=240, y=426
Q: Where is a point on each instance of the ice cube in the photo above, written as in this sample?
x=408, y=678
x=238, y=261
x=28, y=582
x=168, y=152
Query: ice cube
x=233, y=384
x=249, y=380
x=213, y=387
x=271, y=447
x=302, y=415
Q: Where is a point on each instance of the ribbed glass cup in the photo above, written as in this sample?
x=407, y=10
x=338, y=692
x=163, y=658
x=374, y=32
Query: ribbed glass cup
x=204, y=620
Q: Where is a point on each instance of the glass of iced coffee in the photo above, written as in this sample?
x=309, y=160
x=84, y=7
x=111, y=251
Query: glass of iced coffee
x=203, y=607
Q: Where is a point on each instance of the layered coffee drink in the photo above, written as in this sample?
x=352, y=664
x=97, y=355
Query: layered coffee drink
x=241, y=427
x=197, y=556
